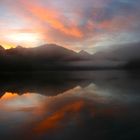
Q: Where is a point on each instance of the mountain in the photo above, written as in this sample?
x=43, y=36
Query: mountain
x=48, y=57
x=85, y=55
x=119, y=55
x=1, y=48
x=48, y=52
x=54, y=57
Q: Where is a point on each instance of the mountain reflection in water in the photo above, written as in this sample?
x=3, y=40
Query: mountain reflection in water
x=102, y=105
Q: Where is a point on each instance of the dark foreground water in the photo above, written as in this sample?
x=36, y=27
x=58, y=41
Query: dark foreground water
x=91, y=105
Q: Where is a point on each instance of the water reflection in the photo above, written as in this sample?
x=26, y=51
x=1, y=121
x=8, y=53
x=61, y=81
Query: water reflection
x=98, y=105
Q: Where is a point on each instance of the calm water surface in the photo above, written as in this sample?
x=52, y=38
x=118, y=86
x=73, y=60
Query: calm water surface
x=99, y=105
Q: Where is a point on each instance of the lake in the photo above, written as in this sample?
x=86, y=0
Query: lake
x=79, y=105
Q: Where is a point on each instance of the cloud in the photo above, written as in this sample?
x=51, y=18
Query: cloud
x=76, y=24
x=52, y=18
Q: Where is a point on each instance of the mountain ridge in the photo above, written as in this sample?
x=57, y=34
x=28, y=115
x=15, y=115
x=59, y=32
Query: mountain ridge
x=53, y=57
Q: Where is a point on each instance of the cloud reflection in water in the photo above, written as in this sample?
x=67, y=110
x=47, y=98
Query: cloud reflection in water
x=76, y=112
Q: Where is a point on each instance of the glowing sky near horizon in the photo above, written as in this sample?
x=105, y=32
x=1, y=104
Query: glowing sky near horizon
x=77, y=24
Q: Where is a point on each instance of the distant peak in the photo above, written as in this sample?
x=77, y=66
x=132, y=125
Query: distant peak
x=51, y=45
x=84, y=52
x=54, y=47
x=1, y=47
x=19, y=47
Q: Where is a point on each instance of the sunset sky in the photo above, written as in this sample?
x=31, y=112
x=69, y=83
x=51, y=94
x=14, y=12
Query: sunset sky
x=91, y=25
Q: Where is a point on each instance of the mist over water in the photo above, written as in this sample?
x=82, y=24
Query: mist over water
x=100, y=105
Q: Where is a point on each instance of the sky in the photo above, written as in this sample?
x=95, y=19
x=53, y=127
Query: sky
x=89, y=25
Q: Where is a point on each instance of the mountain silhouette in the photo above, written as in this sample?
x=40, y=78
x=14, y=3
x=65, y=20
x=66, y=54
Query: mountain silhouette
x=125, y=56
x=85, y=55
x=1, y=48
x=49, y=52
x=54, y=57
x=45, y=57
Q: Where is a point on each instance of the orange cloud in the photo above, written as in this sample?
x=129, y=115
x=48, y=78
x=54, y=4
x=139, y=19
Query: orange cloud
x=53, y=121
x=52, y=18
